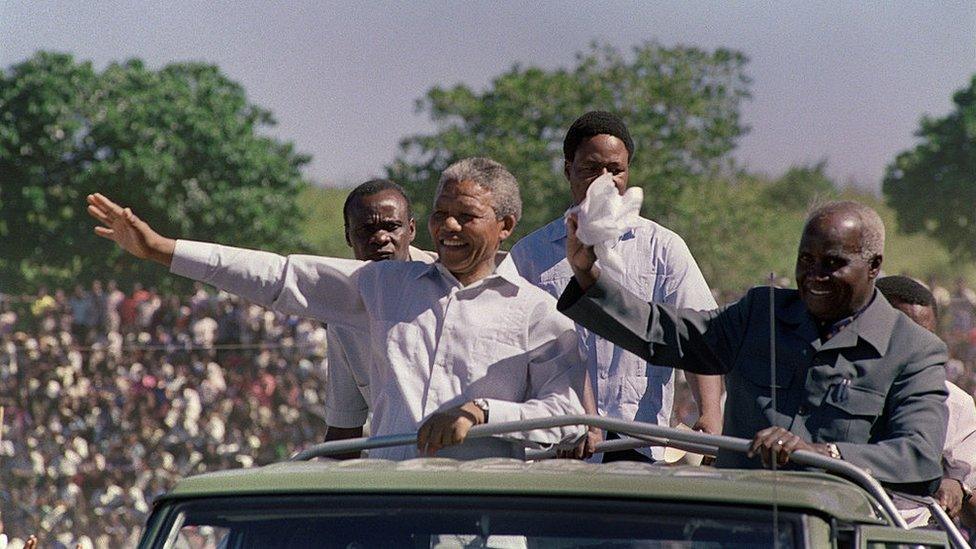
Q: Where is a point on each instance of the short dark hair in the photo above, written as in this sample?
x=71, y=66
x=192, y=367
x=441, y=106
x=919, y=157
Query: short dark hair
x=907, y=290
x=370, y=188
x=596, y=123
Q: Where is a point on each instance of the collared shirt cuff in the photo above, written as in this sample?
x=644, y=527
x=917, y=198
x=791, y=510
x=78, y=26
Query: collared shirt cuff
x=192, y=259
x=500, y=411
x=345, y=419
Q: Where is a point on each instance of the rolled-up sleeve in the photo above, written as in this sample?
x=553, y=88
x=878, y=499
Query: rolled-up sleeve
x=322, y=288
x=555, y=374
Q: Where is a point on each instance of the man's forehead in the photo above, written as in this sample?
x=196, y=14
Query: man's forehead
x=834, y=231
x=382, y=202
x=601, y=144
x=467, y=193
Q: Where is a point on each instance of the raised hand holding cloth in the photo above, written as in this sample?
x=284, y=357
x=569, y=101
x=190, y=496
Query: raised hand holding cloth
x=604, y=216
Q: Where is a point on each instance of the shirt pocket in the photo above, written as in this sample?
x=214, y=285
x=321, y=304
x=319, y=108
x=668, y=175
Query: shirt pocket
x=398, y=347
x=850, y=412
x=642, y=284
x=494, y=369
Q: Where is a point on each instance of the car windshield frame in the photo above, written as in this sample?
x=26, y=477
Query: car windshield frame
x=553, y=521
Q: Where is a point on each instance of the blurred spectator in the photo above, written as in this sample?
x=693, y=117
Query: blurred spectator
x=83, y=314
x=113, y=301
x=99, y=422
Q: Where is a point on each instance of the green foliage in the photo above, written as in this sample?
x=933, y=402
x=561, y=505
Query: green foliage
x=737, y=237
x=182, y=146
x=913, y=254
x=681, y=105
x=741, y=228
x=323, y=228
x=933, y=186
x=800, y=187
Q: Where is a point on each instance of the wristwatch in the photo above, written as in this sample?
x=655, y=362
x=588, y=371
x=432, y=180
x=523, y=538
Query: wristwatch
x=483, y=404
x=967, y=493
x=833, y=450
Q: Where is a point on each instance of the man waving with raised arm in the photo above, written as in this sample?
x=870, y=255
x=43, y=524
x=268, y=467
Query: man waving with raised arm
x=460, y=342
x=854, y=379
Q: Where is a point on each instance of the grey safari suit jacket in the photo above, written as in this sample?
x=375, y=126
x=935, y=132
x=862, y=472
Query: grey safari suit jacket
x=876, y=389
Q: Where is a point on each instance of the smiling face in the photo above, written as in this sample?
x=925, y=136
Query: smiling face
x=466, y=231
x=835, y=280
x=593, y=157
x=379, y=227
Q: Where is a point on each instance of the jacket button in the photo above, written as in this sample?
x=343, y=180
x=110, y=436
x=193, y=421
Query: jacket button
x=803, y=410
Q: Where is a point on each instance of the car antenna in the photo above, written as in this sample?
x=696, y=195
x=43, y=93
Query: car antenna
x=772, y=391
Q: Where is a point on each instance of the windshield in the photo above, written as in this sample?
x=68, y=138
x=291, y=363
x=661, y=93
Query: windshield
x=461, y=521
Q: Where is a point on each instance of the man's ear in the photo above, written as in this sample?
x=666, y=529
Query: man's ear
x=348, y=241
x=566, y=165
x=875, y=264
x=508, y=225
x=413, y=229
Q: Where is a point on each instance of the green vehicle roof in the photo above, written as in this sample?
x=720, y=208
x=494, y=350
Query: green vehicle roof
x=805, y=491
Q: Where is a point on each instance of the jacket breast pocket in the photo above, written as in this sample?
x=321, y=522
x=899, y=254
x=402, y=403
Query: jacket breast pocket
x=850, y=412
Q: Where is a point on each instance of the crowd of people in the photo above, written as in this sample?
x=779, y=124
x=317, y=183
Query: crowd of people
x=110, y=397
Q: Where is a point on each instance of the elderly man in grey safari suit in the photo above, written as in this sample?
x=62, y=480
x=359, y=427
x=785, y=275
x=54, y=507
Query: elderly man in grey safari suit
x=855, y=379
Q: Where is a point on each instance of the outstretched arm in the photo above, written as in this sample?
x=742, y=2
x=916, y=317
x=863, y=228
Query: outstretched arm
x=322, y=288
x=132, y=234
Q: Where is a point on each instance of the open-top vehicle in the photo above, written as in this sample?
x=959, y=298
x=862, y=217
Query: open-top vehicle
x=438, y=502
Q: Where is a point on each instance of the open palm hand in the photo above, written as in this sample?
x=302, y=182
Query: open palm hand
x=128, y=231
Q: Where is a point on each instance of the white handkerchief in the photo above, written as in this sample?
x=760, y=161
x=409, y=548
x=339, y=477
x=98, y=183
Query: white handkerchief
x=604, y=216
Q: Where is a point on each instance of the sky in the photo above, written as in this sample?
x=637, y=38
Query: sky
x=843, y=81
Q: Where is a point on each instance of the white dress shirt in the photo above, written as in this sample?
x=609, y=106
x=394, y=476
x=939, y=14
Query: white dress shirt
x=347, y=353
x=958, y=455
x=434, y=344
x=659, y=268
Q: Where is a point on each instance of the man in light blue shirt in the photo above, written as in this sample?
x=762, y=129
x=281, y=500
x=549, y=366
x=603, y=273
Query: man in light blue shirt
x=657, y=267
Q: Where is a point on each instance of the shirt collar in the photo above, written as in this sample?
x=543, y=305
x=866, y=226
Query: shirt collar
x=872, y=324
x=557, y=230
x=505, y=270
x=829, y=330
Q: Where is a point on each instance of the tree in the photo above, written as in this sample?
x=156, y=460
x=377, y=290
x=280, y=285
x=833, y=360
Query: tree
x=180, y=145
x=933, y=186
x=324, y=228
x=681, y=105
x=800, y=187
x=736, y=235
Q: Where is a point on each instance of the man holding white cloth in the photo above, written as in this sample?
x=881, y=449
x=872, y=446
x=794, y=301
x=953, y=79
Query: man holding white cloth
x=453, y=344
x=651, y=262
